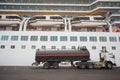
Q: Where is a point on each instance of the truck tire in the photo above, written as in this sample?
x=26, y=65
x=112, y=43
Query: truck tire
x=109, y=65
x=90, y=66
x=82, y=66
x=46, y=65
x=55, y=65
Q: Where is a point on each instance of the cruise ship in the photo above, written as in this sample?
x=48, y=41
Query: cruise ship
x=28, y=25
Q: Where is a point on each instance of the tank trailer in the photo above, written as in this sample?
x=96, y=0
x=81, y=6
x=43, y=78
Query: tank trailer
x=79, y=59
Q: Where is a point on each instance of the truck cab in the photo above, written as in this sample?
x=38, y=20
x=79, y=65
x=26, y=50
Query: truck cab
x=107, y=60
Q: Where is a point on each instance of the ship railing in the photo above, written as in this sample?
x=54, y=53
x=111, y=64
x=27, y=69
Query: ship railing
x=115, y=21
x=89, y=7
x=54, y=2
x=111, y=13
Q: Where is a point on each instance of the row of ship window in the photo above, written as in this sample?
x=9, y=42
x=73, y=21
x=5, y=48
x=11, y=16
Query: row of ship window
x=62, y=38
x=43, y=47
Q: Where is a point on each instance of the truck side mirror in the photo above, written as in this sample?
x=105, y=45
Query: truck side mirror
x=113, y=56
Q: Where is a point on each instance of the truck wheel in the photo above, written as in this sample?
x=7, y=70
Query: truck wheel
x=46, y=65
x=109, y=65
x=55, y=65
x=90, y=66
x=82, y=66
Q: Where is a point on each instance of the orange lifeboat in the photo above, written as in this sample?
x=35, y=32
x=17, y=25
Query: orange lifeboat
x=117, y=30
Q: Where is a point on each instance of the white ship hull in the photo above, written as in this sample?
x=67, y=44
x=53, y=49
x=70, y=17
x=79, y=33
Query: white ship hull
x=25, y=57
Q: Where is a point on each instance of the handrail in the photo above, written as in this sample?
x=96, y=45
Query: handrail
x=60, y=4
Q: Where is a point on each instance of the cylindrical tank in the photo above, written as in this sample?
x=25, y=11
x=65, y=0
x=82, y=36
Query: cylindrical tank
x=62, y=55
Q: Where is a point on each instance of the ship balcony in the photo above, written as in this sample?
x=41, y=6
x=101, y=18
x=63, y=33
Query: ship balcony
x=89, y=26
x=114, y=19
x=50, y=19
x=46, y=23
x=10, y=25
x=89, y=29
x=45, y=28
x=115, y=22
x=114, y=14
x=116, y=26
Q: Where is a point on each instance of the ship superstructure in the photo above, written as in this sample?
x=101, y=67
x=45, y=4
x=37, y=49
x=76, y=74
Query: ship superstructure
x=27, y=25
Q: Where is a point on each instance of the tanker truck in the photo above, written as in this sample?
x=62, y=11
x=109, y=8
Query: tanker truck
x=79, y=58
